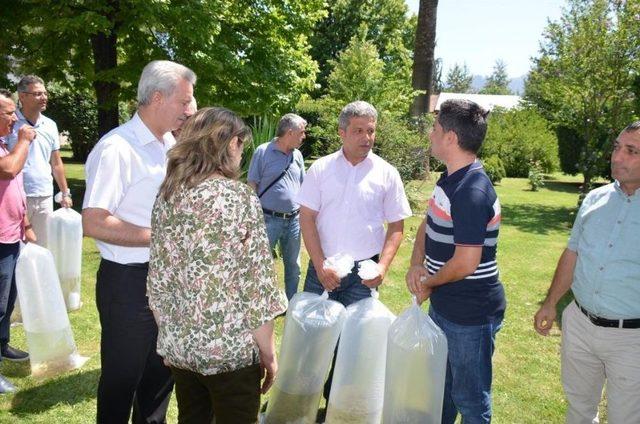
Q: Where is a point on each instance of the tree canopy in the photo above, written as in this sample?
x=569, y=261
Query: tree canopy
x=384, y=22
x=585, y=80
x=251, y=56
x=459, y=79
x=498, y=81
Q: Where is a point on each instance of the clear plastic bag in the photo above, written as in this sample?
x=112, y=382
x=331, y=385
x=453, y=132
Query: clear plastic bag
x=311, y=331
x=341, y=263
x=357, y=390
x=64, y=240
x=52, y=349
x=416, y=369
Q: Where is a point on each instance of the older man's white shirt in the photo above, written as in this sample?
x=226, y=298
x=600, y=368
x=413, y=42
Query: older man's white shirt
x=124, y=173
x=353, y=203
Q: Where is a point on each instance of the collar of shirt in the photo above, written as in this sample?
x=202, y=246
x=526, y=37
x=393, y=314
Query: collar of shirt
x=454, y=178
x=144, y=135
x=634, y=197
x=22, y=118
x=342, y=157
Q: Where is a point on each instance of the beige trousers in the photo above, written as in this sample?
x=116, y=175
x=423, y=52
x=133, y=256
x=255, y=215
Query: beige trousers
x=591, y=355
x=38, y=208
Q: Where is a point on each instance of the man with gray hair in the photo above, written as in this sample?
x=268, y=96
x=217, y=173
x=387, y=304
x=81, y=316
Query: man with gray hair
x=345, y=200
x=124, y=172
x=44, y=158
x=276, y=173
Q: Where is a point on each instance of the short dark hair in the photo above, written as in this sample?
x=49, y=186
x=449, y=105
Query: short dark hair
x=467, y=119
x=634, y=126
x=6, y=93
x=27, y=80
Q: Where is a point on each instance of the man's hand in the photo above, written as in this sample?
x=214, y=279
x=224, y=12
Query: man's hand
x=30, y=235
x=416, y=278
x=66, y=201
x=26, y=133
x=328, y=278
x=268, y=371
x=417, y=282
x=544, y=318
x=375, y=282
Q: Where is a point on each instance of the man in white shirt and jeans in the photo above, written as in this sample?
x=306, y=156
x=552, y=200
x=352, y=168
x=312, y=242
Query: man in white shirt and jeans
x=345, y=200
x=124, y=172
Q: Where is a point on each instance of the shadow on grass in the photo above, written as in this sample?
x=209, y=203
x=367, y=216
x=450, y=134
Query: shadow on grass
x=563, y=186
x=68, y=390
x=537, y=219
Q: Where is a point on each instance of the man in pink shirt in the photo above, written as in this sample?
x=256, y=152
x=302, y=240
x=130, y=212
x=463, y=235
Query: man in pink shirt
x=14, y=225
x=345, y=200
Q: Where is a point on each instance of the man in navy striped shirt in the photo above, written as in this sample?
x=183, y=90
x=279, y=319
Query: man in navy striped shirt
x=454, y=261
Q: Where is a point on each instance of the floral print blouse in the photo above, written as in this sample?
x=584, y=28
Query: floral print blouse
x=211, y=278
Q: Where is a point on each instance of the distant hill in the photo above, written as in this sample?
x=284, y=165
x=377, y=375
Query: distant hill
x=516, y=85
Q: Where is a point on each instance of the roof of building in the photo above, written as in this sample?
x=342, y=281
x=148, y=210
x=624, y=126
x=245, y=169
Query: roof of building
x=487, y=101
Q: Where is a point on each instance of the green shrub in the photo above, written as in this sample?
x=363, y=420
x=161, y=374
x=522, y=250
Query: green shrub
x=494, y=168
x=76, y=113
x=536, y=177
x=519, y=137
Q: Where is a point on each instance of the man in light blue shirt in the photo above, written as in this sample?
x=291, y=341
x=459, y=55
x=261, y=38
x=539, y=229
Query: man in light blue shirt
x=601, y=265
x=276, y=173
x=44, y=162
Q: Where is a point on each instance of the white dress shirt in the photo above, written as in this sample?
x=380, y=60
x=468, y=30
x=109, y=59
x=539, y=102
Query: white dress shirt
x=353, y=203
x=124, y=173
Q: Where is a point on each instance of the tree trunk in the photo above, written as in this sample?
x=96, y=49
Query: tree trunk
x=423, y=62
x=105, y=58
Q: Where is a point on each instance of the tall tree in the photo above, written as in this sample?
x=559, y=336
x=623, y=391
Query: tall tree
x=437, y=84
x=498, y=81
x=459, y=79
x=250, y=55
x=425, y=44
x=584, y=78
x=384, y=23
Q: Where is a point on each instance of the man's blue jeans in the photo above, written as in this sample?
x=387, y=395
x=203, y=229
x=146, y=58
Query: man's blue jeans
x=286, y=233
x=469, y=371
x=8, y=259
x=350, y=290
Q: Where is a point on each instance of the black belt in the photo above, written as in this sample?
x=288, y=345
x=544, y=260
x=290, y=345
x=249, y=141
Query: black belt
x=613, y=323
x=281, y=214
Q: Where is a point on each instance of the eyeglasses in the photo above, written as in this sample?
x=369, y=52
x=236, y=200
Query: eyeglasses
x=36, y=93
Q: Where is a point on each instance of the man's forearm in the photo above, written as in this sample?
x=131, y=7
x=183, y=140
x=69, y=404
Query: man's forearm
x=563, y=276
x=392, y=241
x=12, y=164
x=57, y=169
x=417, y=255
x=101, y=225
x=311, y=237
x=464, y=262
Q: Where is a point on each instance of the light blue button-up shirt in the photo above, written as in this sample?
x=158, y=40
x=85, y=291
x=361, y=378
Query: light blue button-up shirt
x=606, y=236
x=267, y=164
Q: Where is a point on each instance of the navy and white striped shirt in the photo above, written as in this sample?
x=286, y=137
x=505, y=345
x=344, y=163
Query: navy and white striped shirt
x=464, y=210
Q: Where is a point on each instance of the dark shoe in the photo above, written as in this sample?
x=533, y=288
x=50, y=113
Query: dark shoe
x=14, y=355
x=6, y=386
x=322, y=414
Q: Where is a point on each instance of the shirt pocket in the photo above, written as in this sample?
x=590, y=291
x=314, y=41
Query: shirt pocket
x=370, y=204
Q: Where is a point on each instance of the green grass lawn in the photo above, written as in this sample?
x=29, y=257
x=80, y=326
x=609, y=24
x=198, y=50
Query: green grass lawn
x=527, y=367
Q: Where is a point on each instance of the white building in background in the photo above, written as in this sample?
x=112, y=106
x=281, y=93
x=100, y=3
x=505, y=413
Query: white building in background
x=487, y=101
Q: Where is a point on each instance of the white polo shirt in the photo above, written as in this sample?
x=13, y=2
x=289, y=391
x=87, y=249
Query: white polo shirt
x=353, y=203
x=124, y=172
